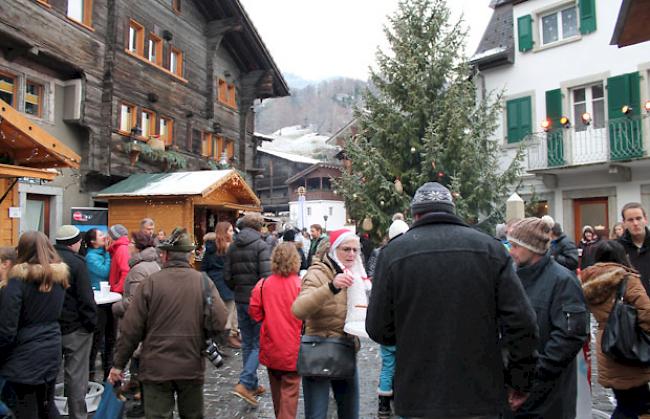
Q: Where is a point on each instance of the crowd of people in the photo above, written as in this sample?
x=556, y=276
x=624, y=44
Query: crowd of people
x=469, y=326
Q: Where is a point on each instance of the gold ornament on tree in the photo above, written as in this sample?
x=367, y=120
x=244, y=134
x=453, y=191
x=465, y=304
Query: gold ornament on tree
x=398, y=186
x=367, y=224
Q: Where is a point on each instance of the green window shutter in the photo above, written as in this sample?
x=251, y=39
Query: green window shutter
x=625, y=133
x=525, y=33
x=519, y=119
x=587, y=16
x=554, y=107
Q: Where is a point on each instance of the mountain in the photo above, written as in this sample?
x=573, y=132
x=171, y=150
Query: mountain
x=324, y=107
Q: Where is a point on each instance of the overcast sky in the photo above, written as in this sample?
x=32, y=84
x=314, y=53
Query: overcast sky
x=319, y=39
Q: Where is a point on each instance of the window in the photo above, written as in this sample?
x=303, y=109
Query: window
x=559, y=25
x=327, y=185
x=176, y=61
x=232, y=100
x=589, y=99
x=206, y=145
x=81, y=11
x=8, y=85
x=226, y=93
x=166, y=130
x=127, y=117
x=148, y=123
x=230, y=149
x=313, y=183
x=518, y=119
x=176, y=6
x=155, y=49
x=136, y=38
x=33, y=98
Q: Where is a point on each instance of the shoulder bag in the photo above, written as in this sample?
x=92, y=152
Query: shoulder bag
x=623, y=340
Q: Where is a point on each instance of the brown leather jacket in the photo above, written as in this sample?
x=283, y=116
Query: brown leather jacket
x=323, y=311
x=166, y=314
x=599, y=283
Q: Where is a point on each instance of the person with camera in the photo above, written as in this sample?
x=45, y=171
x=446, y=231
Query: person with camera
x=600, y=283
x=167, y=315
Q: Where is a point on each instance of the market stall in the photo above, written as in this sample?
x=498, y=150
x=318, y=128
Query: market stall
x=26, y=151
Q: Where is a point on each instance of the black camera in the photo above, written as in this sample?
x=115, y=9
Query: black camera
x=211, y=352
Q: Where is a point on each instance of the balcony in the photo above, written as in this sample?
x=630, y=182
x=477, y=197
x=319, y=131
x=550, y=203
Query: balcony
x=618, y=140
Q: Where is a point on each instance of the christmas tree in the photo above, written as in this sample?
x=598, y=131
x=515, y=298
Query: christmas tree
x=423, y=121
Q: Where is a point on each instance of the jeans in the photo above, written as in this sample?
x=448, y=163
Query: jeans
x=387, y=370
x=159, y=399
x=35, y=401
x=76, y=351
x=632, y=403
x=250, y=337
x=104, y=338
x=316, y=393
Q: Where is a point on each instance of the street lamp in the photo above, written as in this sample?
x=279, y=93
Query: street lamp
x=325, y=225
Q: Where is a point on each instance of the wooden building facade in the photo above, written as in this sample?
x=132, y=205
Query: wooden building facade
x=136, y=86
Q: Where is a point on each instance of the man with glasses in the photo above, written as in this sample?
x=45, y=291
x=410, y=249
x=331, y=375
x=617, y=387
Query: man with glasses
x=448, y=297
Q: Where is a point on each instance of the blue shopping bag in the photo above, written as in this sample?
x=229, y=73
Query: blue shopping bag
x=111, y=406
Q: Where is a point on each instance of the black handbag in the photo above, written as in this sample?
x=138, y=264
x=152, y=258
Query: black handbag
x=333, y=357
x=623, y=340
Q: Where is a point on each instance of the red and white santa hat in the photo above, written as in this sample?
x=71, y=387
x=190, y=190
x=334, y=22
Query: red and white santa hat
x=339, y=236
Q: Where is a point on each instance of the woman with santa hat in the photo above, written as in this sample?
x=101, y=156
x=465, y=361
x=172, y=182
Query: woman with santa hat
x=324, y=307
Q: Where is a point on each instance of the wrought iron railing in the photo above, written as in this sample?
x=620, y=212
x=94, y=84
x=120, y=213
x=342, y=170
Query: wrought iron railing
x=619, y=139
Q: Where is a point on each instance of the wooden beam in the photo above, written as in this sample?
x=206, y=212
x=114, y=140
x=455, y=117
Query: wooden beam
x=222, y=26
x=8, y=170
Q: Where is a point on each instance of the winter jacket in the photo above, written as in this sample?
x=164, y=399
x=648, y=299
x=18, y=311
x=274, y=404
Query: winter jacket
x=587, y=258
x=30, y=335
x=98, y=262
x=270, y=304
x=213, y=264
x=639, y=256
x=79, y=308
x=166, y=315
x=248, y=260
x=600, y=283
x=565, y=252
x=321, y=306
x=142, y=265
x=556, y=296
x=313, y=247
x=372, y=261
x=120, y=256
x=443, y=292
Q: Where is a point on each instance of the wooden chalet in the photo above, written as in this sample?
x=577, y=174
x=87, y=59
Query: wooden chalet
x=194, y=200
x=26, y=152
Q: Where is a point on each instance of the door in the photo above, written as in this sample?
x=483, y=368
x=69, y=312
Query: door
x=37, y=213
x=589, y=134
x=592, y=212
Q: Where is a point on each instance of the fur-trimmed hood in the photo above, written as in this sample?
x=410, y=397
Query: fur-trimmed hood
x=33, y=273
x=600, y=281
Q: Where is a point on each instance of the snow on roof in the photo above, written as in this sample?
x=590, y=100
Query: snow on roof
x=288, y=156
x=159, y=184
x=263, y=136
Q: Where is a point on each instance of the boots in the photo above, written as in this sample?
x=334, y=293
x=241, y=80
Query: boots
x=384, y=407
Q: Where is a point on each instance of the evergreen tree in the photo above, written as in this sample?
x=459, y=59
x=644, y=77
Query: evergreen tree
x=423, y=121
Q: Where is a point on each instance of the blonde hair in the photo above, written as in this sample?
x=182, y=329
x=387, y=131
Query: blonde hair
x=285, y=259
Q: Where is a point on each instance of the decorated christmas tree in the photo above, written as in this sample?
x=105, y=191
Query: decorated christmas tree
x=423, y=121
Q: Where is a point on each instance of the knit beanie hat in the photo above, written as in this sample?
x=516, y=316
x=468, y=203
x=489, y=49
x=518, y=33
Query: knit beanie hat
x=116, y=231
x=142, y=240
x=289, y=235
x=531, y=233
x=396, y=228
x=67, y=235
x=432, y=197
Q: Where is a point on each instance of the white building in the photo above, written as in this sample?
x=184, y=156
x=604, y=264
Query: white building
x=556, y=67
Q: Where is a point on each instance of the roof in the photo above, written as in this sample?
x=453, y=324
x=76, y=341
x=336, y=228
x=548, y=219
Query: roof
x=631, y=25
x=171, y=184
x=311, y=169
x=263, y=137
x=29, y=145
x=497, y=45
x=288, y=156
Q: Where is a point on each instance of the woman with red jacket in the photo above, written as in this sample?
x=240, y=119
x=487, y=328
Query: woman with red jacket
x=120, y=255
x=270, y=304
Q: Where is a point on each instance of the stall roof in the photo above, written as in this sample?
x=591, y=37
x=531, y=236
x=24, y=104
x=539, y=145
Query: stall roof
x=30, y=146
x=174, y=184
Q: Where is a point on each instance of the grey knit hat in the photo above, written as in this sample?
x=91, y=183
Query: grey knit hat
x=432, y=197
x=118, y=230
x=67, y=235
x=531, y=233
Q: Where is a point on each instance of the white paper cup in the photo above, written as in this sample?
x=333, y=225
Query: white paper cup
x=104, y=288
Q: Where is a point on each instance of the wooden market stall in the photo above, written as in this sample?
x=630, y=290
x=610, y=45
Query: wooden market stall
x=194, y=200
x=26, y=151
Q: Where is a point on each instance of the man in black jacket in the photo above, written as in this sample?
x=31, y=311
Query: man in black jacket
x=78, y=320
x=448, y=297
x=636, y=240
x=248, y=259
x=563, y=250
x=562, y=318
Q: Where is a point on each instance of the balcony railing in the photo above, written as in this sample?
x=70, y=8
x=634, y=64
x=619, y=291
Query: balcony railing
x=619, y=139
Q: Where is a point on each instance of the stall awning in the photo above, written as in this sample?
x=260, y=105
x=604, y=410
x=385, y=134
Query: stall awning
x=23, y=144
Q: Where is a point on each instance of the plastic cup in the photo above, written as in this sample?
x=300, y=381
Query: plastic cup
x=105, y=288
